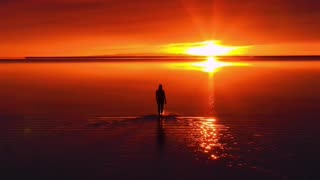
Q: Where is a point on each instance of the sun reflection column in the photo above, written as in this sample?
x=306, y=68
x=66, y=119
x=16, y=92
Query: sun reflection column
x=211, y=93
x=211, y=66
x=209, y=138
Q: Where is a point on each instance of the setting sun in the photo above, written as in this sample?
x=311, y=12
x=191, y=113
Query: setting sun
x=205, y=48
x=211, y=48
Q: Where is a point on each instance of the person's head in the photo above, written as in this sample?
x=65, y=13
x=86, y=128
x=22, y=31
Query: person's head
x=160, y=86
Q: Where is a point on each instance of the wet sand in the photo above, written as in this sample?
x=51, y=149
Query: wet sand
x=150, y=148
x=141, y=147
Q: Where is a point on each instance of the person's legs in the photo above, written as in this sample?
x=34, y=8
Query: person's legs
x=159, y=108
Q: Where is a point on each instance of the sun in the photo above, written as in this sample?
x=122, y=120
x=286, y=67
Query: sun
x=211, y=48
x=205, y=48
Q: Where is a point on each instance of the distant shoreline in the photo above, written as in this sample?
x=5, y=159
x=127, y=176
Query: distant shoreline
x=159, y=58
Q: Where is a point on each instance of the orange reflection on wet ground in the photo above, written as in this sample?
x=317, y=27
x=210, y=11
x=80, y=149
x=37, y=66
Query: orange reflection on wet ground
x=209, y=138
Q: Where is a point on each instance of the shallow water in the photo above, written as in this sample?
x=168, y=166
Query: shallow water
x=95, y=121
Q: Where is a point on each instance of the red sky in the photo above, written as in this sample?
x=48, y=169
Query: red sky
x=97, y=27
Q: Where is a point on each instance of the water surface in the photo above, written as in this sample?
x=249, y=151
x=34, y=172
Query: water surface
x=96, y=120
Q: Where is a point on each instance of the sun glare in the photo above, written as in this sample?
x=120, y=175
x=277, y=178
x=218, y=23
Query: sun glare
x=211, y=65
x=205, y=48
x=210, y=48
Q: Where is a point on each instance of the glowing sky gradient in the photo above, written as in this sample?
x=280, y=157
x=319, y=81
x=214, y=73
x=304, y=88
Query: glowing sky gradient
x=102, y=27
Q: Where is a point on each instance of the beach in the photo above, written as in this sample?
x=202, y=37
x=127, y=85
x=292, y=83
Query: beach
x=98, y=121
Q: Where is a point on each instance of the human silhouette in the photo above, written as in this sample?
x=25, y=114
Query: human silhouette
x=161, y=99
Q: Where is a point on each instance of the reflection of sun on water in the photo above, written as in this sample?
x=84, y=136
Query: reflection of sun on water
x=210, y=65
x=207, y=136
x=209, y=139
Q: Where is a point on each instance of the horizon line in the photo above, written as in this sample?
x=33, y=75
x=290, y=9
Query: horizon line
x=152, y=58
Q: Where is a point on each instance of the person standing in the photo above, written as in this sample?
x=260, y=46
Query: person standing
x=161, y=99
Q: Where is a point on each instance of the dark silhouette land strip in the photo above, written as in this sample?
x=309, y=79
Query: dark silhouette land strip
x=183, y=58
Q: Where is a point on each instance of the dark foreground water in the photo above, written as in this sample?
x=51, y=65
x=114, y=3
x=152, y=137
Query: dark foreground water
x=95, y=121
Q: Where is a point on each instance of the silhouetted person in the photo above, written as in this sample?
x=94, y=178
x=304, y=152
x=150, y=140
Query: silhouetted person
x=161, y=99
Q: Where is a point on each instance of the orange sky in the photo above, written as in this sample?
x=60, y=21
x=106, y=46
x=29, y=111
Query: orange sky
x=102, y=27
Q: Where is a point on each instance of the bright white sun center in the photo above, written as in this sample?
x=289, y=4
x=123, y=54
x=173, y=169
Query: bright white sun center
x=210, y=48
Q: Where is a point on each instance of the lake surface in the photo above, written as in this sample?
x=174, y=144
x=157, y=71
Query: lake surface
x=255, y=120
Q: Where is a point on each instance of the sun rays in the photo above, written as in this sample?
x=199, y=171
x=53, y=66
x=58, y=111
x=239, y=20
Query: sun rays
x=205, y=48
